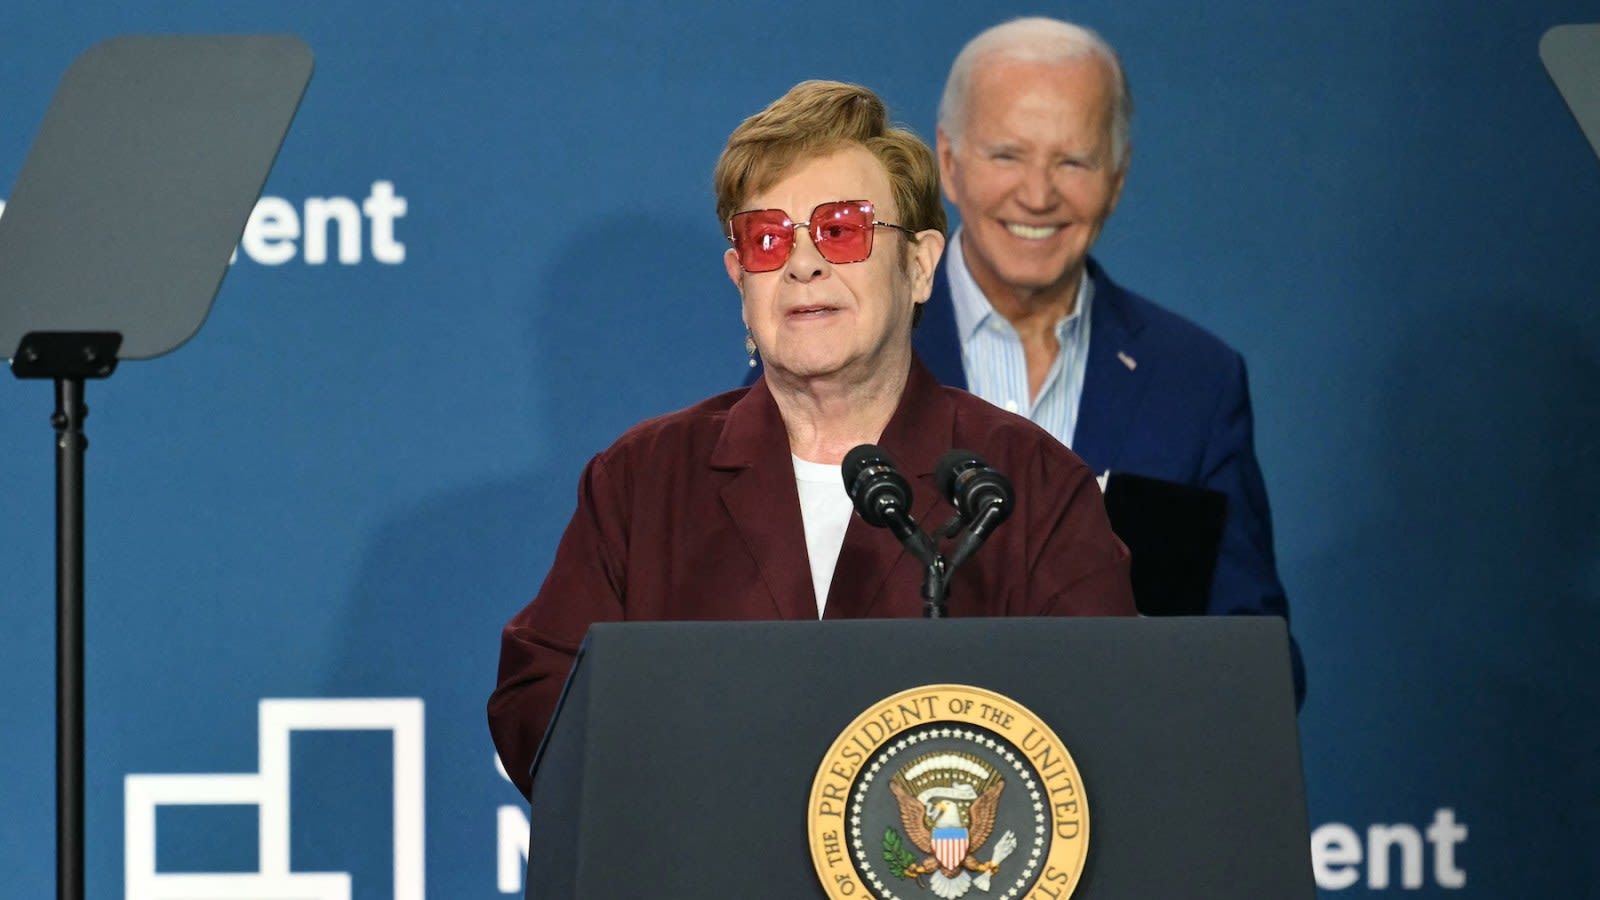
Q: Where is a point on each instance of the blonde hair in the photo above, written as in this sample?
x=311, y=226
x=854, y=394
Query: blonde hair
x=816, y=118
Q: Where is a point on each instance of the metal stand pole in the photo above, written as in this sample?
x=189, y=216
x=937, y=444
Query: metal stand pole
x=68, y=358
x=70, y=444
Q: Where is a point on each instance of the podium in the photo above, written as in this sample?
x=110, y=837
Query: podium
x=681, y=760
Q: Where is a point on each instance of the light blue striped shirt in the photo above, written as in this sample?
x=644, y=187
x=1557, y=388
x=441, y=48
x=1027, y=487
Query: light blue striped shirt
x=997, y=370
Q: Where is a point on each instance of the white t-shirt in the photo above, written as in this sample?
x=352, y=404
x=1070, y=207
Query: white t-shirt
x=825, y=510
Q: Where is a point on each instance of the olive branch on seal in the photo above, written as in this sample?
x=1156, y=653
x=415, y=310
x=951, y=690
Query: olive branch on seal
x=895, y=853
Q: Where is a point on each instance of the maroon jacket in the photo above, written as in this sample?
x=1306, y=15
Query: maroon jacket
x=695, y=515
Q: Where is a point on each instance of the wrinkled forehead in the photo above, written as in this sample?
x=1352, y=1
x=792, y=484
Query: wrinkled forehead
x=1079, y=87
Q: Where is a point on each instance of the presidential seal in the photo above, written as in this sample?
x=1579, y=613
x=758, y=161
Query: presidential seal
x=948, y=791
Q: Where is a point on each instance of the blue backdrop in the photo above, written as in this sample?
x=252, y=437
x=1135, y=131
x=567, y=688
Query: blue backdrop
x=358, y=470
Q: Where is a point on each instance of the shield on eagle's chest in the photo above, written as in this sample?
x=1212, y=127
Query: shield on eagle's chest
x=950, y=846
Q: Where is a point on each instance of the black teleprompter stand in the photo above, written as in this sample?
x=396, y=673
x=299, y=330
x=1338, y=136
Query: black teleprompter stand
x=69, y=359
x=113, y=245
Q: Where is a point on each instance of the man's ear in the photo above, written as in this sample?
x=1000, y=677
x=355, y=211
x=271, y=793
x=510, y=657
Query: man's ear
x=730, y=261
x=1122, y=178
x=925, y=255
x=1116, y=191
x=946, y=153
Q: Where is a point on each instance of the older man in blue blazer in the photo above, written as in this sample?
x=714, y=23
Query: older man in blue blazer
x=1033, y=146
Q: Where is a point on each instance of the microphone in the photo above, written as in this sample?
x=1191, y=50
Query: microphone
x=983, y=497
x=882, y=497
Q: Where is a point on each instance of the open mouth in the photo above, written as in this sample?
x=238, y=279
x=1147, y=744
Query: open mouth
x=1032, y=232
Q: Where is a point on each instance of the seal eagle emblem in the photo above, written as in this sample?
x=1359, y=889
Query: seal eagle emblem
x=948, y=791
x=948, y=803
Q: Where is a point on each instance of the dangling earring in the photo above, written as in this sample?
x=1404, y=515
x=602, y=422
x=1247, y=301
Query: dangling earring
x=750, y=348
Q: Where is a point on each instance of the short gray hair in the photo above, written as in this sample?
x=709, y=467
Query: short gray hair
x=1036, y=40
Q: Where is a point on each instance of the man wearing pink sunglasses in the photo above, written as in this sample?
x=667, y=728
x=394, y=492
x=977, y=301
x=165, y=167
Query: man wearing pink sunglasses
x=736, y=508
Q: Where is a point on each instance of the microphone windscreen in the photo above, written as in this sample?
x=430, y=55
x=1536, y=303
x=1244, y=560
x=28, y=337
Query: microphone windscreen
x=951, y=465
x=859, y=458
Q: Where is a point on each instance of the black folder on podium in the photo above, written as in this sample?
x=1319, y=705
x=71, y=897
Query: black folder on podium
x=681, y=759
x=1173, y=532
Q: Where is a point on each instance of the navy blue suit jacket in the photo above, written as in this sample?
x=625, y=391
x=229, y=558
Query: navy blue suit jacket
x=1163, y=398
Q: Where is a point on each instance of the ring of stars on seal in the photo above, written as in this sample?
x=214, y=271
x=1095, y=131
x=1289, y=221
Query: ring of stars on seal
x=862, y=845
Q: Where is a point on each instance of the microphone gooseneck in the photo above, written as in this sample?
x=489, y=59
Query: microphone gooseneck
x=982, y=497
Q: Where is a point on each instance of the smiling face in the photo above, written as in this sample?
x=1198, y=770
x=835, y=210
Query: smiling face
x=812, y=319
x=1033, y=174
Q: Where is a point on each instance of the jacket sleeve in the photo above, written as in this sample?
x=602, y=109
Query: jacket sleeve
x=1246, y=579
x=1077, y=565
x=537, y=647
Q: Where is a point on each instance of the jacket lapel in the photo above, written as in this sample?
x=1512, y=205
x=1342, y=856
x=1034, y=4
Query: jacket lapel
x=876, y=577
x=1114, y=378
x=763, y=503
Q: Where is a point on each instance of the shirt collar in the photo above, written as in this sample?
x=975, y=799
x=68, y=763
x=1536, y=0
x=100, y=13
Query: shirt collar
x=973, y=308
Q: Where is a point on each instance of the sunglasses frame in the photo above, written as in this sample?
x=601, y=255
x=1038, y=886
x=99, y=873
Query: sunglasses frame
x=816, y=240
